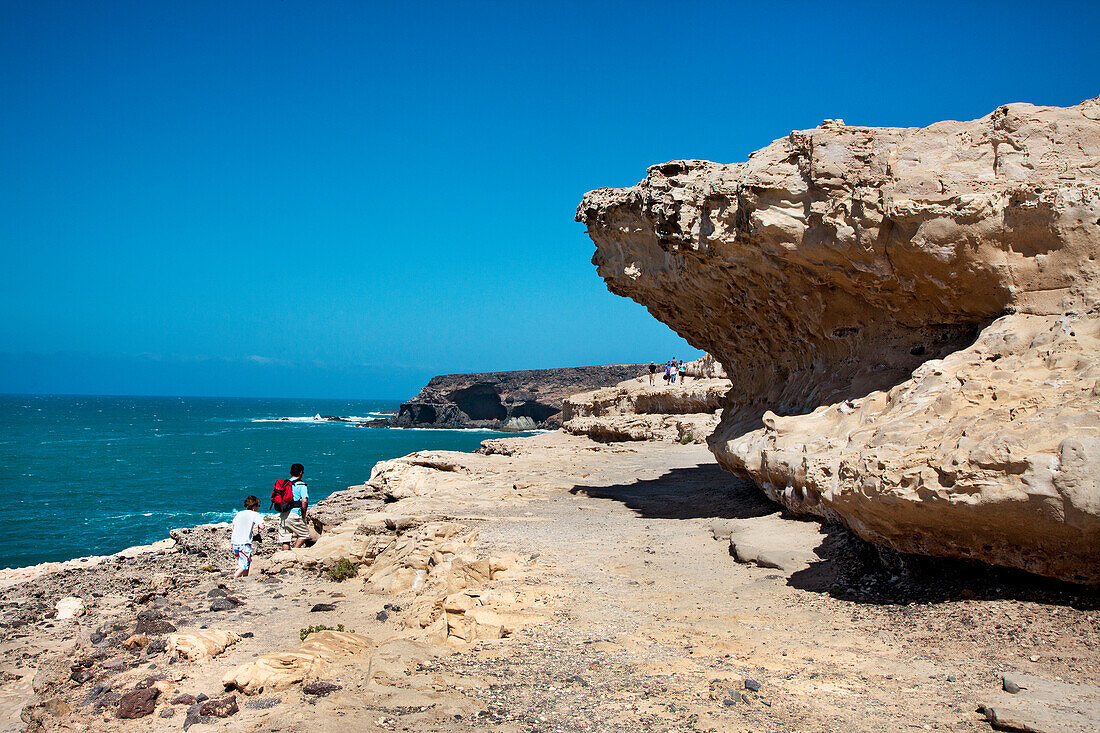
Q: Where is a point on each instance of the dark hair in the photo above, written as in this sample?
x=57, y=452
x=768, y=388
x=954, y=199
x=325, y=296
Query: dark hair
x=297, y=470
x=251, y=502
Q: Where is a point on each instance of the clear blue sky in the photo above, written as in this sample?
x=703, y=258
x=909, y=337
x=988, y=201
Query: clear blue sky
x=343, y=198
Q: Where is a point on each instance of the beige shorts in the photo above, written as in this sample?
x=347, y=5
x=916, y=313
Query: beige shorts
x=291, y=527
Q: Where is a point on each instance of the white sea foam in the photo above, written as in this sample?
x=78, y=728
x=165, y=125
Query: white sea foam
x=319, y=419
x=471, y=430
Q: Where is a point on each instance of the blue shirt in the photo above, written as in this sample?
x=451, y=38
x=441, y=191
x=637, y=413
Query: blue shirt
x=301, y=493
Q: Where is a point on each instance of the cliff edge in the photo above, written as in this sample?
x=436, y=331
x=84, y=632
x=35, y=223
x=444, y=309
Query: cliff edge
x=910, y=319
x=515, y=400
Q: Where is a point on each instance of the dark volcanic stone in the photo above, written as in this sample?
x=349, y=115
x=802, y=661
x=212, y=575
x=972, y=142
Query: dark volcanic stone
x=323, y=607
x=194, y=716
x=223, y=604
x=156, y=646
x=167, y=712
x=216, y=593
x=184, y=699
x=479, y=400
x=202, y=697
x=220, y=708
x=263, y=703
x=96, y=637
x=154, y=627
x=80, y=675
x=137, y=703
x=381, y=616
x=752, y=685
x=320, y=688
x=96, y=694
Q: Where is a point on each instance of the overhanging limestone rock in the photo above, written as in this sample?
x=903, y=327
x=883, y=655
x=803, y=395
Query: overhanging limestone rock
x=834, y=262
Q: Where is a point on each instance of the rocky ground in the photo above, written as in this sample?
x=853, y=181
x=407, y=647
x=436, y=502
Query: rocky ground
x=549, y=584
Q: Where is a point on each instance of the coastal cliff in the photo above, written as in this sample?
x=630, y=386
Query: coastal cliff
x=910, y=317
x=515, y=400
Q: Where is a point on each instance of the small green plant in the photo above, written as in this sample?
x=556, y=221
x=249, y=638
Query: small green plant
x=209, y=568
x=687, y=439
x=341, y=570
x=303, y=633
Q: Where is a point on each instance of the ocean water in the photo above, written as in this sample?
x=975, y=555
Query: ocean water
x=94, y=475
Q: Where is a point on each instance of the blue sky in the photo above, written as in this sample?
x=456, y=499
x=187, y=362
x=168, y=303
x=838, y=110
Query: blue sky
x=344, y=198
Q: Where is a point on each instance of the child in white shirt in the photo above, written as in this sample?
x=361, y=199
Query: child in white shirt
x=245, y=524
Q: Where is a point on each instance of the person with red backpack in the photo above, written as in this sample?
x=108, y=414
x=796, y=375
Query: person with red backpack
x=290, y=498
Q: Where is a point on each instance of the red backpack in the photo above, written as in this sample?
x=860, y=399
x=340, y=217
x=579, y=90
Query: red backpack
x=282, y=496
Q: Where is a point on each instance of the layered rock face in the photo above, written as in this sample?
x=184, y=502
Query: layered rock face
x=685, y=412
x=517, y=400
x=834, y=262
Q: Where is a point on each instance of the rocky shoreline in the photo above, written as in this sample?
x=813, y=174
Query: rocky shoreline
x=515, y=401
x=542, y=584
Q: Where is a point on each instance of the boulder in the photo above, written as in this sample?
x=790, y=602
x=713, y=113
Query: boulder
x=273, y=672
x=68, y=608
x=138, y=703
x=136, y=641
x=201, y=644
x=910, y=317
x=220, y=708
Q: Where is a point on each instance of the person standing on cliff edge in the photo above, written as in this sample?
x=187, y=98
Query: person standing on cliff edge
x=652, y=371
x=292, y=523
x=247, y=525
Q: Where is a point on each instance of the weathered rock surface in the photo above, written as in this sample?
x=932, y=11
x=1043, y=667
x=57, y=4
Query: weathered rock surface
x=201, y=644
x=518, y=400
x=1040, y=705
x=138, y=703
x=68, y=608
x=771, y=541
x=836, y=261
x=278, y=671
x=705, y=367
x=635, y=410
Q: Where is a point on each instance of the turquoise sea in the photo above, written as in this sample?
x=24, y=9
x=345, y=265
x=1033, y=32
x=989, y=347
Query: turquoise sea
x=94, y=475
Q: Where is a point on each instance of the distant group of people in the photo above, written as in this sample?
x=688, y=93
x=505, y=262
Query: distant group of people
x=673, y=368
x=290, y=498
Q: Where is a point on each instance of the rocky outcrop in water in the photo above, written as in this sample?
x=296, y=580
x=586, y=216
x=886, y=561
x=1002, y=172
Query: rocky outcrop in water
x=910, y=317
x=518, y=400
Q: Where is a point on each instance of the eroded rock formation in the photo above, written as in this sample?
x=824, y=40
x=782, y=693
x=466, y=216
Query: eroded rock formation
x=834, y=262
x=685, y=412
x=518, y=400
